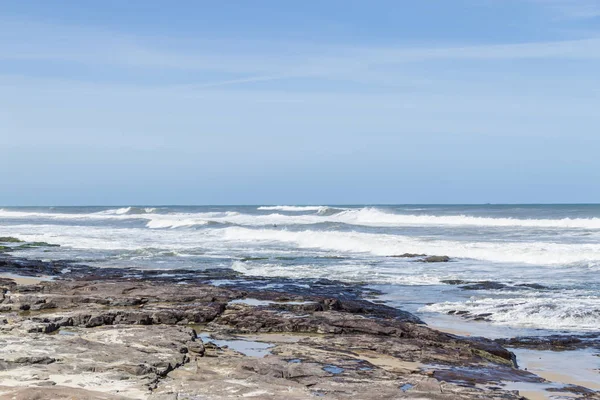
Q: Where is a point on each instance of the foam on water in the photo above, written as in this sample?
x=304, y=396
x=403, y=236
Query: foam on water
x=159, y=223
x=373, y=217
x=556, y=312
x=367, y=216
x=128, y=211
x=358, y=273
x=388, y=245
x=585, y=255
x=293, y=208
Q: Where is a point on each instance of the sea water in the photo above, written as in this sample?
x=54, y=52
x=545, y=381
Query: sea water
x=546, y=257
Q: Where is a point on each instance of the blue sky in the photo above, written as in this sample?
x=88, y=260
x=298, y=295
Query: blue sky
x=299, y=102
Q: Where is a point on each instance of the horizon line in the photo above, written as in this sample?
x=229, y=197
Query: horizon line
x=306, y=205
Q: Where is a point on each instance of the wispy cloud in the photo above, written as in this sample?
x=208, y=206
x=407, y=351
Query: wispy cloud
x=577, y=9
x=33, y=42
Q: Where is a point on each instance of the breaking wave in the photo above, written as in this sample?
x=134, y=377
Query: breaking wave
x=129, y=211
x=560, y=312
x=353, y=273
x=538, y=253
x=377, y=217
x=371, y=217
x=293, y=208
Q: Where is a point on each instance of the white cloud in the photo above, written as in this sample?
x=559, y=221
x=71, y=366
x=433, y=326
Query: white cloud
x=237, y=63
x=577, y=9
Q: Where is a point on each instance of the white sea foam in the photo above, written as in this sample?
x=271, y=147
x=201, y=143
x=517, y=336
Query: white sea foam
x=376, y=217
x=354, y=273
x=539, y=253
x=32, y=215
x=559, y=312
x=158, y=223
x=373, y=244
x=293, y=208
x=129, y=211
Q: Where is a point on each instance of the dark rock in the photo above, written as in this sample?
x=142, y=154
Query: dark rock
x=435, y=259
x=533, y=286
x=409, y=255
x=126, y=325
x=34, y=360
x=30, y=245
x=484, y=285
x=454, y=282
x=553, y=342
x=484, y=375
x=9, y=239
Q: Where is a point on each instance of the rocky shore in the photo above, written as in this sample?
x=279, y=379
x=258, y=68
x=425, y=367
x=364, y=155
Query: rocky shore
x=106, y=333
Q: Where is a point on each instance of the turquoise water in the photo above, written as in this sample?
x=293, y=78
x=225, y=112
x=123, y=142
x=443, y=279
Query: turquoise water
x=555, y=246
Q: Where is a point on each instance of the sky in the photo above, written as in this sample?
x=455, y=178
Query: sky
x=299, y=102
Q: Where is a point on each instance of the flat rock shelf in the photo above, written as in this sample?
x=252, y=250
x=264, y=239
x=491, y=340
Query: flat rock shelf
x=75, y=331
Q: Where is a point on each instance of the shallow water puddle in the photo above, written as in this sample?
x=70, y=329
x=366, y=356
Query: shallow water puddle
x=539, y=391
x=246, y=347
x=257, y=302
x=332, y=369
x=406, y=387
x=577, y=367
x=222, y=282
x=252, y=302
x=67, y=332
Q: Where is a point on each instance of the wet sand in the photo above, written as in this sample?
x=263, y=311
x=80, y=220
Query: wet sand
x=26, y=280
x=579, y=367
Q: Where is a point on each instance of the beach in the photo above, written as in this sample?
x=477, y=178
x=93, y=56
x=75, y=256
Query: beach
x=328, y=301
x=119, y=333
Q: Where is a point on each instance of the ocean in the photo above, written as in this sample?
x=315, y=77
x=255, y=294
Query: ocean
x=539, y=264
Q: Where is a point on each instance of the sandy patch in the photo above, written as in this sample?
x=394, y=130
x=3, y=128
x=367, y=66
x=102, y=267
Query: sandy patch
x=26, y=280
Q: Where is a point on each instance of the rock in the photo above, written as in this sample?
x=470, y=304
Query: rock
x=196, y=347
x=409, y=255
x=9, y=239
x=435, y=259
x=30, y=245
x=34, y=360
x=484, y=375
x=55, y=393
x=533, y=286
x=454, y=282
x=118, y=333
x=553, y=342
x=484, y=285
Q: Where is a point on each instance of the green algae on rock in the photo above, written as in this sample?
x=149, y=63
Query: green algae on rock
x=10, y=239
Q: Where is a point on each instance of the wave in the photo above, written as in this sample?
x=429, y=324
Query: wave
x=376, y=217
x=537, y=253
x=129, y=211
x=561, y=312
x=352, y=273
x=371, y=217
x=115, y=214
x=175, y=223
x=581, y=255
x=293, y=208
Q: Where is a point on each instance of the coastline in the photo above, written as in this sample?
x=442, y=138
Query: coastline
x=328, y=340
